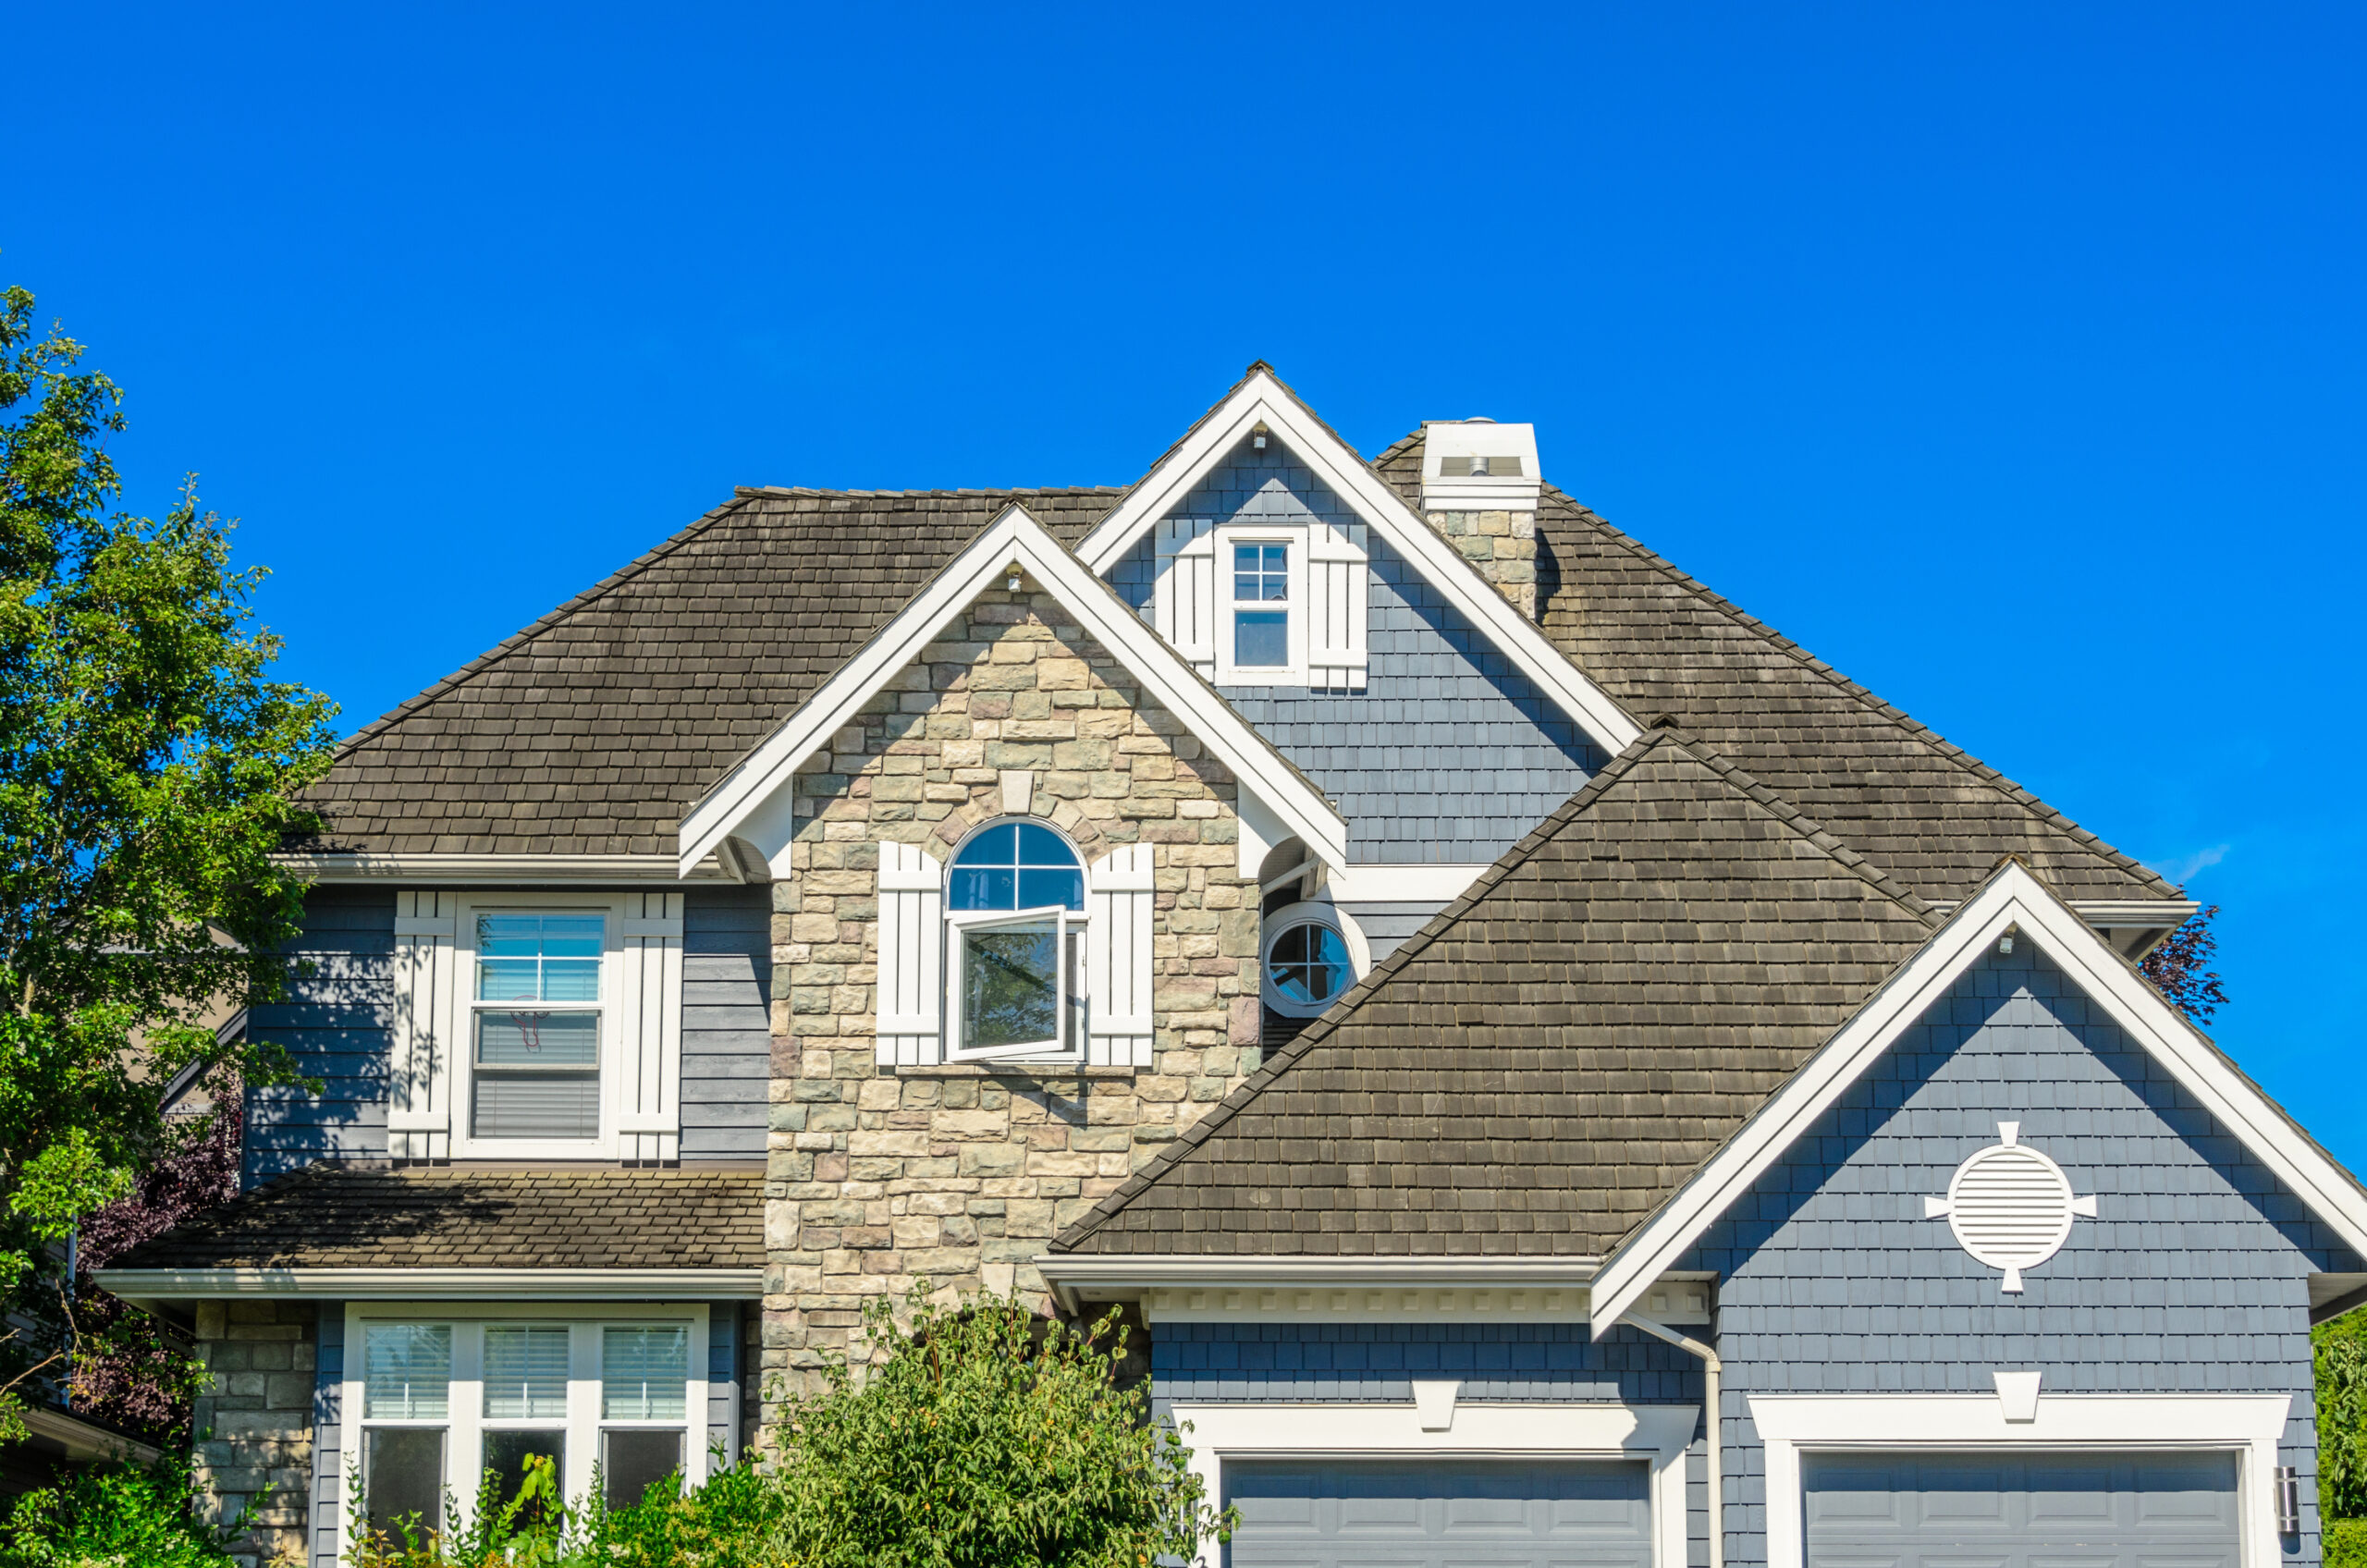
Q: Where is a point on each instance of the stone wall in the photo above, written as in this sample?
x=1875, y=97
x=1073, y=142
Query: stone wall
x=255, y=1420
x=959, y=1175
x=1502, y=546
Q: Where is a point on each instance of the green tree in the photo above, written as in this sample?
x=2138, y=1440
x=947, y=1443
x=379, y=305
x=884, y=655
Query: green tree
x=148, y=770
x=987, y=1436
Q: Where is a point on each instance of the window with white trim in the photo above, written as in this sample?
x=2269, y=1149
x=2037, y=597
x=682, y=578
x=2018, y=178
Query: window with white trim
x=451, y=1407
x=1015, y=933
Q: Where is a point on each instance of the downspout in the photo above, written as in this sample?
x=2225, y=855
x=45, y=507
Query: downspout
x=1711, y=1367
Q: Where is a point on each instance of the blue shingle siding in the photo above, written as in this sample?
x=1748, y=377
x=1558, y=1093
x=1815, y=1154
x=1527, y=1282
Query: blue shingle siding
x=727, y=1021
x=334, y=1023
x=1449, y=753
x=2192, y=1278
x=330, y=1459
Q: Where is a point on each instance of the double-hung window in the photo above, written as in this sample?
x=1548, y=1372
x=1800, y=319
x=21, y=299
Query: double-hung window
x=455, y=1407
x=534, y=1025
x=1016, y=940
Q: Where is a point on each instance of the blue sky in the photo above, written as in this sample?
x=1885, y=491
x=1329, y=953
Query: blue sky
x=2010, y=358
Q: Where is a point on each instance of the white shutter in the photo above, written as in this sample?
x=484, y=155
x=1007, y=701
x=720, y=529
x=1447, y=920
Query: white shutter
x=1338, y=606
x=1118, y=959
x=912, y=948
x=1183, y=595
x=419, y=1077
x=649, y=1015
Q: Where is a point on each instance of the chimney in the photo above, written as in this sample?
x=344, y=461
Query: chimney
x=1480, y=489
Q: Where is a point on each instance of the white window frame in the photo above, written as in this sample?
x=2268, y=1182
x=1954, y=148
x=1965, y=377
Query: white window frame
x=462, y=1032
x=1065, y=921
x=1293, y=540
x=2250, y=1426
x=1657, y=1435
x=1312, y=912
x=465, y=1424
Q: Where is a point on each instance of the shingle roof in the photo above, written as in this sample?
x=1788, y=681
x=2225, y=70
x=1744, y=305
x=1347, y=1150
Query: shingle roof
x=594, y=729
x=1661, y=643
x=340, y=1216
x=1547, y=1059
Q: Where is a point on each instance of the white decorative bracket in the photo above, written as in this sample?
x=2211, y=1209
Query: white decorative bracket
x=2010, y=1207
x=1434, y=1402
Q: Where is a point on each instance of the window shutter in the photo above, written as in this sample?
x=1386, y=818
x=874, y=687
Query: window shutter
x=1118, y=959
x=911, y=950
x=649, y=1047
x=418, y=1086
x=1339, y=603
x=1183, y=596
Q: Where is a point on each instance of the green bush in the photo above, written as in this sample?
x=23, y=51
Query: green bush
x=113, y=1516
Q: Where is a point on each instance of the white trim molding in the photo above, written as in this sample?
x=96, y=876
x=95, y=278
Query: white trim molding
x=755, y=800
x=2011, y=902
x=510, y=871
x=140, y=1286
x=1657, y=1435
x=1261, y=399
x=2250, y=1426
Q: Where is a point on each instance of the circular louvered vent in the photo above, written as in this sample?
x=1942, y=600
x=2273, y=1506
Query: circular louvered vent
x=2010, y=1207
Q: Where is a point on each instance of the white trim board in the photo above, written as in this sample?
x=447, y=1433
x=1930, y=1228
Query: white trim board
x=1656, y=1434
x=755, y=800
x=437, y=1284
x=2248, y=1424
x=1261, y=398
x=2011, y=900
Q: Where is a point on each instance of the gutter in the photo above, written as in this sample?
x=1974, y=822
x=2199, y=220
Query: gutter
x=1710, y=1367
x=145, y=1287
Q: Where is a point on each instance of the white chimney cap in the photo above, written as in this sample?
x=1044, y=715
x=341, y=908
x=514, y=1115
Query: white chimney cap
x=1476, y=465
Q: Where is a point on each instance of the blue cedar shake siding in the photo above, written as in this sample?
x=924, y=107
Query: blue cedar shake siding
x=335, y=1022
x=2192, y=1278
x=1377, y=1363
x=330, y=1459
x=1449, y=753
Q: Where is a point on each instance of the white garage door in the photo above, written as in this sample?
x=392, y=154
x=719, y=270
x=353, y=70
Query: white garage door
x=1427, y=1514
x=1967, y=1511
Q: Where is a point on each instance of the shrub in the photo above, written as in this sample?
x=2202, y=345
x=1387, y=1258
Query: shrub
x=114, y=1515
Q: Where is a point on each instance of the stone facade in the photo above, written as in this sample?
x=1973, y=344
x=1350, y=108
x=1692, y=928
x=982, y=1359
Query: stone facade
x=959, y=1175
x=1502, y=546
x=255, y=1420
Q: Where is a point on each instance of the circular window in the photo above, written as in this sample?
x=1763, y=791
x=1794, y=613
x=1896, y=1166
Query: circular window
x=1308, y=960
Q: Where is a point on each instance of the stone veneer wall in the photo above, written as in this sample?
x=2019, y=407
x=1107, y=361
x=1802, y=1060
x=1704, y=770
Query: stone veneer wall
x=960, y=1175
x=255, y=1420
x=1502, y=546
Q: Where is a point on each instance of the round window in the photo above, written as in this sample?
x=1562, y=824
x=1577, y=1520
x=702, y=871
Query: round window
x=1307, y=965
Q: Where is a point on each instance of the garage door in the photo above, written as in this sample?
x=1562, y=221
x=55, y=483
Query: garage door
x=1428, y=1514
x=1961, y=1511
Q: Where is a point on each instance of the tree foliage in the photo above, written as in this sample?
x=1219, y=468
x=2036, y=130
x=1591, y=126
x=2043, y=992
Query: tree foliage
x=148, y=770
x=2180, y=967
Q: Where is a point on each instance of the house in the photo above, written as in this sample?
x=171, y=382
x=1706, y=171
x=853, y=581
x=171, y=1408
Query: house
x=1557, y=1073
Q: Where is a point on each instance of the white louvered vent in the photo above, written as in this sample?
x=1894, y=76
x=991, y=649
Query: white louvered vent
x=2010, y=1207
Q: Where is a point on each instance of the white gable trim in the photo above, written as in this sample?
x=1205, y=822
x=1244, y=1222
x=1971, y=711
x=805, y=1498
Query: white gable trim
x=755, y=795
x=2012, y=899
x=1262, y=397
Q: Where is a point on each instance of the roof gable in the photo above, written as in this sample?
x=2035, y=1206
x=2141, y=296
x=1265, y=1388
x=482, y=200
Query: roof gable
x=1538, y=1069
x=1261, y=398
x=753, y=800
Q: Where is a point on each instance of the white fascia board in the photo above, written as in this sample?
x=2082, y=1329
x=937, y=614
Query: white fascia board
x=1262, y=398
x=1013, y=536
x=514, y=871
x=145, y=1285
x=2011, y=899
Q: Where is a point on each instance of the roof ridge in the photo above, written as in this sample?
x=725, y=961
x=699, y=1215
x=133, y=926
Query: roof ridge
x=1291, y=1054
x=519, y=638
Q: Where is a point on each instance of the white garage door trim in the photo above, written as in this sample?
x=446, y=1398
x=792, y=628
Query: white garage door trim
x=1656, y=1434
x=2249, y=1424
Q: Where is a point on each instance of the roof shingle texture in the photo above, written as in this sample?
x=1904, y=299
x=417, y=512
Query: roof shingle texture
x=1544, y=1063
x=339, y=1217
x=1660, y=643
x=596, y=729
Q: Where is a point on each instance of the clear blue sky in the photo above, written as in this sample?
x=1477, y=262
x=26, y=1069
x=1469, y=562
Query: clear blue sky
x=2012, y=360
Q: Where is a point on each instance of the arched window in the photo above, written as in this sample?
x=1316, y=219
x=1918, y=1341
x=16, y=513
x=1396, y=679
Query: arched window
x=1014, y=908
